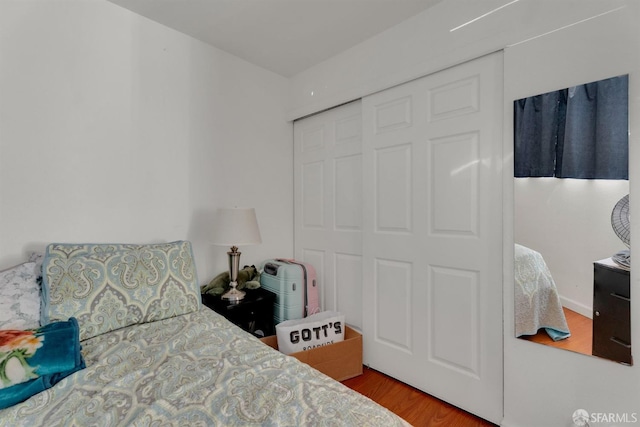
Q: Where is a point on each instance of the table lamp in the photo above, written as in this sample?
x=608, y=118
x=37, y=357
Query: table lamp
x=235, y=227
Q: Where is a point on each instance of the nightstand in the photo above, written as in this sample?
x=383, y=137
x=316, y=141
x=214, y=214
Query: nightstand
x=611, y=312
x=254, y=313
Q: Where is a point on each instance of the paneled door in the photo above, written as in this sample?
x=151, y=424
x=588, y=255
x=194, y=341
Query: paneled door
x=328, y=205
x=432, y=234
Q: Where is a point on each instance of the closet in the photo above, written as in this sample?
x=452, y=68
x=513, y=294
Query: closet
x=398, y=204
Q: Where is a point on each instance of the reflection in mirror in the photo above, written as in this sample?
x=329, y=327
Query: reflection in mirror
x=571, y=183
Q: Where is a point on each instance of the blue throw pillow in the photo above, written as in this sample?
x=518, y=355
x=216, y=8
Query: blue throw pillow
x=34, y=360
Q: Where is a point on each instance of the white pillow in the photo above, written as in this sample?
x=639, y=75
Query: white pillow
x=19, y=297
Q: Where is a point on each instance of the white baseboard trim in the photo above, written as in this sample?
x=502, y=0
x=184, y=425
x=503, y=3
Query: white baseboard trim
x=580, y=308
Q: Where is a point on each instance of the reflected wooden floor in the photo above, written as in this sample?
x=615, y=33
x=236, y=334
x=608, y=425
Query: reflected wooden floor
x=417, y=408
x=580, y=341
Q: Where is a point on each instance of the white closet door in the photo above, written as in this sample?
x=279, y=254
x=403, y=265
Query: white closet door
x=328, y=205
x=432, y=236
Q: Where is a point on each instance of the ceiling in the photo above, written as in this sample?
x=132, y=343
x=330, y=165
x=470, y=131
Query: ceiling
x=284, y=36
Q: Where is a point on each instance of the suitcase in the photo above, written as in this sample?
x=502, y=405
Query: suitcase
x=312, y=301
x=295, y=286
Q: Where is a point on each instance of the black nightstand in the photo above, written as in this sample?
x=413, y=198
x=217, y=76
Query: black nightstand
x=611, y=312
x=254, y=313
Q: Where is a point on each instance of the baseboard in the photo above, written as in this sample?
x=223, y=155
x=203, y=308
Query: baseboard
x=579, y=308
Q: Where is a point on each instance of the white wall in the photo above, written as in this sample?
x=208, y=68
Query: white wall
x=114, y=128
x=543, y=386
x=569, y=222
x=424, y=44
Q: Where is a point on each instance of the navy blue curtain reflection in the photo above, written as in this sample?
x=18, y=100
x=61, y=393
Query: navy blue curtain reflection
x=537, y=128
x=580, y=132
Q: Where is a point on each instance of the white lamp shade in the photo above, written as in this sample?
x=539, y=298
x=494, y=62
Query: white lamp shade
x=236, y=227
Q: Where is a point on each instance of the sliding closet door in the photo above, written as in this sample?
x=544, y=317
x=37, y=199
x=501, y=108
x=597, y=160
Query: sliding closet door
x=328, y=205
x=432, y=234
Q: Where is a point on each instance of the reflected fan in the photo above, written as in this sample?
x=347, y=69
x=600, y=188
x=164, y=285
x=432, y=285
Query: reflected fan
x=620, y=220
x=621, y=223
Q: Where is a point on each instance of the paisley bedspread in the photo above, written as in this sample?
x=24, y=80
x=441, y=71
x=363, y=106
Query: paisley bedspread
x=537, y=304
x=195, y=369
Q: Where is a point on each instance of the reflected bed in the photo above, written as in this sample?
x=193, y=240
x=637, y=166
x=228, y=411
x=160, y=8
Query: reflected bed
x=537, y=304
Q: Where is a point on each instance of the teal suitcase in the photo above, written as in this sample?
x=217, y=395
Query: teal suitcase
x=295, y=287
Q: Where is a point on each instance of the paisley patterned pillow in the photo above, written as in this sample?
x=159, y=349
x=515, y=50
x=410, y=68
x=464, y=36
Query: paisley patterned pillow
x=110, y=286
x=19, y=297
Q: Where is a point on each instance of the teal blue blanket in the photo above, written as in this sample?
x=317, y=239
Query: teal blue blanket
x=34, y=360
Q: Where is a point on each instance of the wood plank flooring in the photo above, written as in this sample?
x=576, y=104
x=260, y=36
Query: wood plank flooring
x=422, y=410
x=417, y=408
x=580, y=341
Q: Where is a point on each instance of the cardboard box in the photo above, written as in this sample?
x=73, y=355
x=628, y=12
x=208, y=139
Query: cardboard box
x=340, y=361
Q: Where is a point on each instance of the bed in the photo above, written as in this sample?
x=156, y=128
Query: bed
x=152, y=355
x=537, y=304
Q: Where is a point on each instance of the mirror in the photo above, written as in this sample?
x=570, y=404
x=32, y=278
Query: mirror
x=571, y=179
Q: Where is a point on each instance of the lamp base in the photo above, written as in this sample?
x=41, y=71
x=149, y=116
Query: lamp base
x=233, y=294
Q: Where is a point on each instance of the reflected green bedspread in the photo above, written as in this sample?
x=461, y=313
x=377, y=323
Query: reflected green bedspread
x=194, y=370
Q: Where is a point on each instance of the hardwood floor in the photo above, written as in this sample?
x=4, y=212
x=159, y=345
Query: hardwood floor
x=422, y=410
x=417, y=408
x=581, y=328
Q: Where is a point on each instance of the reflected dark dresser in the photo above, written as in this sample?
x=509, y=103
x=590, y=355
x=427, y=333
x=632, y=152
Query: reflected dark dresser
x=611, y=311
